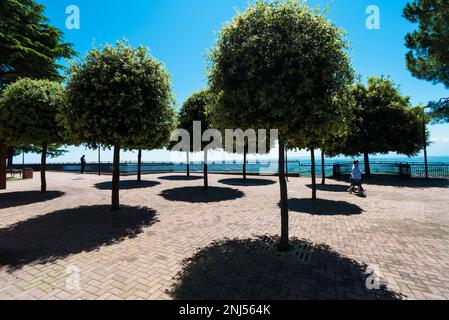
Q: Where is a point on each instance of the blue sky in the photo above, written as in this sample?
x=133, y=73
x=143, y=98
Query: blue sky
x=179, y=33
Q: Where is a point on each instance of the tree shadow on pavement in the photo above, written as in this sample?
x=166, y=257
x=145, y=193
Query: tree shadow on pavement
x=127, y=184
x=330, y=187
x=56, y=235
x=201, y=195
x=16, y=199
x=247, y=269
x=181, y=178
x=324, y=207
x=247, y=183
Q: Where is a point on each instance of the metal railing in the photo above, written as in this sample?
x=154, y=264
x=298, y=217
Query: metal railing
x=295, y=168
x=412, y=169
x=435, y=170
x=235, y=167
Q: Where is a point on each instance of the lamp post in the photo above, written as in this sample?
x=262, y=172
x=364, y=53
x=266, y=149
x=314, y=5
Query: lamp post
x=444, y=102
x=426, y=162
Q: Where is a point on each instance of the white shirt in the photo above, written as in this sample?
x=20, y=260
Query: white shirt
x=356, y=173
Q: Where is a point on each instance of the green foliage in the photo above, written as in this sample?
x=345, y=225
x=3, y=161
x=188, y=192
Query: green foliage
x=119, y=96
x=417, y=119
x=279, y=65
x=28, y=112
x=29, y=47
x=428, y=57
x=336, y=124
x=440, y=111
x=220, y=119
x=383, y=122
x=197, y=107
x=53, y=150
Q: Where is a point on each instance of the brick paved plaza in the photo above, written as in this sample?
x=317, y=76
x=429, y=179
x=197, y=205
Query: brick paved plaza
x=173, y=240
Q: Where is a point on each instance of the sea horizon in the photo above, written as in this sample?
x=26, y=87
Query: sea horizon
x=301, y=159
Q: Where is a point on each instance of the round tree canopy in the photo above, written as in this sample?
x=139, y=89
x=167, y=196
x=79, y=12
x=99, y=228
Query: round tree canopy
x=384, y=121
x=277, y=66
x=196, y=108
x=119, y=96
x=28, y=112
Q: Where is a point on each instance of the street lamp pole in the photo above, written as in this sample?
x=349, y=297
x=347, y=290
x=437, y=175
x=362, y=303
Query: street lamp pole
x=426, y=162
x=443, y=102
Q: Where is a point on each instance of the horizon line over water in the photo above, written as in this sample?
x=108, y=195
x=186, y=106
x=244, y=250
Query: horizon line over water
x=74, y=153
x=302, y=167
x=300, y=159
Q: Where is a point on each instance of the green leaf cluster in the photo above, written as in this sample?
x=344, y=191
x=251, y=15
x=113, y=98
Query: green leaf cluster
x=198, y=107
x=119, y=96
x=428, y=57
x=279, y=65
x=53, y=150
x=383, y=121
x=29, y=110
x=29, y=47
x=439, y=111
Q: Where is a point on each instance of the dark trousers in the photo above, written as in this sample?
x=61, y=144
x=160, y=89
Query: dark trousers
x=83, y=168
x=356, y=183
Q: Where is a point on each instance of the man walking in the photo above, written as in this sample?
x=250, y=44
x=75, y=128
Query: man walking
x=356, y=178
x=83, y=164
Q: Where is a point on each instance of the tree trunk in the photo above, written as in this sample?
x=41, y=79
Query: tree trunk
x=284, y=244
x=206, y=182
x=3, y=155
x=116, y=180
x=10, y=157
x=312, y=156
x=43, y=167
x=367, y=165
x=286, y=165
x=244, y=165
x=99, y=160
x=188, y=164
x=323, y=168
x=139, y=165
